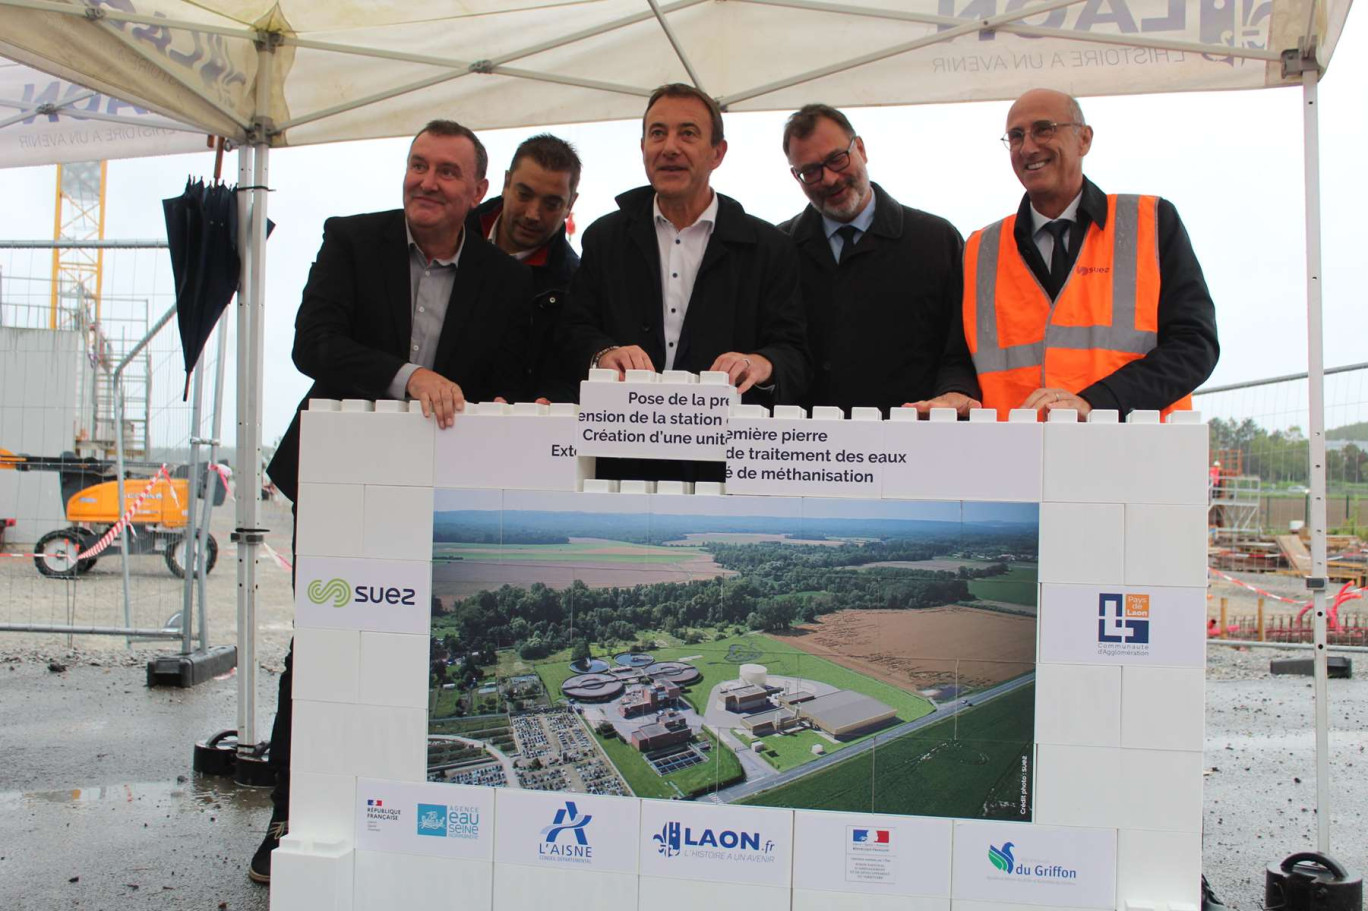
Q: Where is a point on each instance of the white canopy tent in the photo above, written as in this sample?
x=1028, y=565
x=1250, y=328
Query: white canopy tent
x=297, y=72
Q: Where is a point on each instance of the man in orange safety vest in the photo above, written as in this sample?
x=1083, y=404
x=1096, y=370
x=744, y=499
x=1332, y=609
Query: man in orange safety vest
x=1081, y=300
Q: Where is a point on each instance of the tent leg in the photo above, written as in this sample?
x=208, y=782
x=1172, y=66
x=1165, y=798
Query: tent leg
x=248, y=462
x=1316, y=395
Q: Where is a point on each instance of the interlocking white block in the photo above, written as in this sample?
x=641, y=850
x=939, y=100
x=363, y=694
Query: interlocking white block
x=1104, y=416
x=674, y=487
x=1036, y=856
x=946, y=415
x=1166, y=545
x=897, y=856
x=359, y=406
x=815, y=900
x=322, y=806
x=1131, y=905
x=960, y=904
x=1184, y=417
x=1126, y=463
x=311, y=875
x=657, y=893
x=709, y=488
x=631, y=486
x=326, y=664
x=792, y=412
x=391, y=406
x=1063, y=416
x=1080, y=786
x=1078, y=704
x=1023, y=416
x=1162, y=708
x=530, y=409
x=602, y=375
x=1140, y=416
x=1160, y=868
x=599, y=485
x=398, y=523
x=714, y=378
x=866, y=414
x=366, y=448
x=642, y=376
x=563, y=410
x=1082, y=542
x=1162, y=790
x=950, y=460
x=494, y=409
x=519, y=888
x=1123, y=625
x=822, y=413
x=387, y=742
x=318, y=740
x=678, y=376
x=330, y=520
x=983, y=415
x=385, y=881
x=749, y=411
x=394, y=669
x=324, y=405
x=903, y=415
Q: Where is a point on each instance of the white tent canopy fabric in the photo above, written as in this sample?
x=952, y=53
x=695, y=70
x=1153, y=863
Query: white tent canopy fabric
x=358, y=69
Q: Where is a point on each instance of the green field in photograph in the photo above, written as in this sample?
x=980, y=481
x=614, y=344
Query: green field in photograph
x=1016, y=586
x=534, y=553
x=952, y=768
x=720, y=769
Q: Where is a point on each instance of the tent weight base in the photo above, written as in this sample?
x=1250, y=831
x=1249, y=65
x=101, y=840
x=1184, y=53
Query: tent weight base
x=192, y=669
x=1335, y=666
x=252, y=769
x=217, y=755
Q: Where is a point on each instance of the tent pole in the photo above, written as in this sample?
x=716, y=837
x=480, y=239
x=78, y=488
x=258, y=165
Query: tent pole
x=246, y=630
x=1316, y=395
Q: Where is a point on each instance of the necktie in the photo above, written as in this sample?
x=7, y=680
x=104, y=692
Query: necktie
x=1059, y=260
x=847, y=234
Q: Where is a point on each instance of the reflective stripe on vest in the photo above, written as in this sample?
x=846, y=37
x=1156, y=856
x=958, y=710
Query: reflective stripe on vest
x=1095, y=326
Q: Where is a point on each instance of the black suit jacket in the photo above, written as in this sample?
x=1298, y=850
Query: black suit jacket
x=552, y=267
x=1187, y=348
x=352, y=333
x=745, y=297
x=884, y=326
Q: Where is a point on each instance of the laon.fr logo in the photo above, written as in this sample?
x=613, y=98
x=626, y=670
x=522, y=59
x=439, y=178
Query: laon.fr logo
x=339, y=593
x=1123, y=618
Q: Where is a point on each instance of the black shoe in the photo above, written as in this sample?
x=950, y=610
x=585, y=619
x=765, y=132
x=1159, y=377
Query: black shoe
x=260, y=868
x=1209, y=900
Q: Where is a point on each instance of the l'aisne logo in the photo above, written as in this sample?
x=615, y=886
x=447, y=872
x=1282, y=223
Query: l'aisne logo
x=1123, y=623
x=340, y=593
x=566, y=840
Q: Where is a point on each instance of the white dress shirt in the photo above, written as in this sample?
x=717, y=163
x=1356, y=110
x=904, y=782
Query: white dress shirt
x=1044, y=240
x=430, y=285
x=681, y=253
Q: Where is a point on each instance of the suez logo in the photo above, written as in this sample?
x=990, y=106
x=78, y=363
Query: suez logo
x=1005, y=862
x=1123, y=623
x=566, y=840
x=340, y=593
x=443, y=821
x=675, y=839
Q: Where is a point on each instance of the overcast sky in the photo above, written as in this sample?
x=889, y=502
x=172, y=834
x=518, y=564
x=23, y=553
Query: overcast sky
x=1231, y=162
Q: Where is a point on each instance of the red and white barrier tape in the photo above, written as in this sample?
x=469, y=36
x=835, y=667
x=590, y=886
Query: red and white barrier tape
x=108, y=537
x=1346, y=593
x=1255, y=589
x=280, y=561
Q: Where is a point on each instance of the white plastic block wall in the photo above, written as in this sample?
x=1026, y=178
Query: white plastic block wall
x=1082, y=542
x=655, y=893
x=1079, y=786
x=1163, y=708
x=1163, y=868
x=1078, y=705
x=322, y=806
x=312, y=875
x=1165, y=545
x=366, y=448
x=387, y=881
x=964, y=461
x=1074, y=619
x=517, y=888
x=1125, y=463
x=330, y=520
x=318, y=741
x=388, y=742
x=1162, y=790
x=326, y=663
x=394, y=670
x=397, y=523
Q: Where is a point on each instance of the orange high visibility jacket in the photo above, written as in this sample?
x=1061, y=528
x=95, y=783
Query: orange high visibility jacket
x=1106, y=315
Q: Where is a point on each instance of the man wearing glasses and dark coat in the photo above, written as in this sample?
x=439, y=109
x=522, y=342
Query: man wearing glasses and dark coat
x=881, y=281
x=1082, y=300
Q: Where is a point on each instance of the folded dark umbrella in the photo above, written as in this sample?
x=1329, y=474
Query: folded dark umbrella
x=202, y=234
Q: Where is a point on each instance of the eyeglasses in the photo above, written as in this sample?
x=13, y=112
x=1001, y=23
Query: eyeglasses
x=836, y=162
x=1040, y=131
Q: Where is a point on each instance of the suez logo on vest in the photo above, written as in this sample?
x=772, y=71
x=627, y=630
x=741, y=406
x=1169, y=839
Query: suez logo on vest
x=340, y=593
